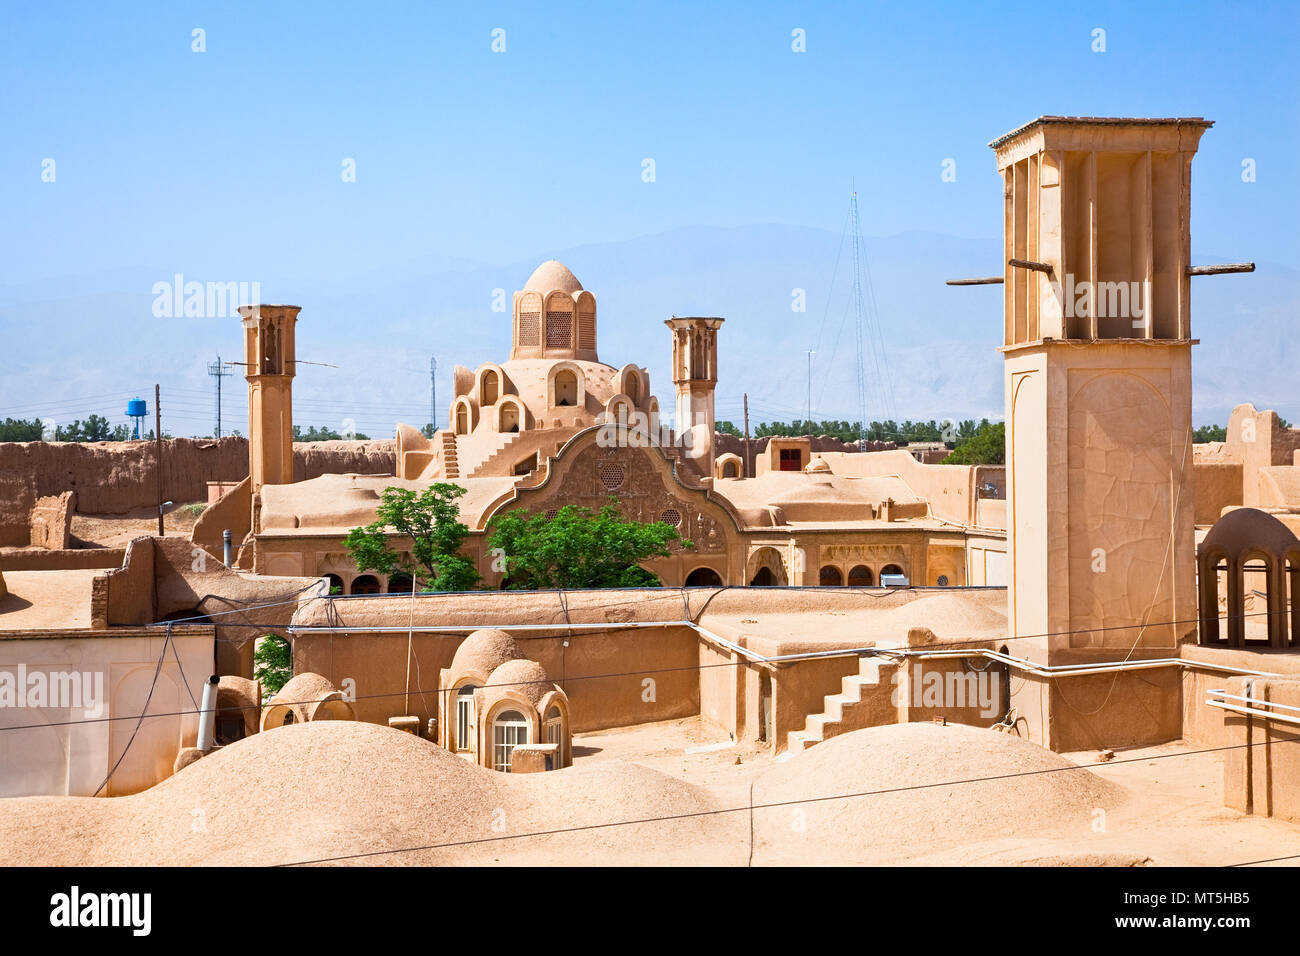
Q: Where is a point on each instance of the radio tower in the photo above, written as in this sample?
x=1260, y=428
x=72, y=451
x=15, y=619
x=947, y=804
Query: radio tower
x=433, y=395
x=867, y=328
x=217, y=371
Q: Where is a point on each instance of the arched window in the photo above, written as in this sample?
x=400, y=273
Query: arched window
x=491, y=388
x=830, y=577
x=509, y=730
x=888, y=570
x=365, y=584
x=400, y=583
x=509, y=418
x=336, y=583
x=729, y=470
x=764, y=578
x=860, y=576
x=634, y=388
x=703, y=578
x=566, y=388
x=465, y=718
x=555, y=728
x=462, y=419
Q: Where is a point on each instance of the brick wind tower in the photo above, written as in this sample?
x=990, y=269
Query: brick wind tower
x=270, y=363
x=1097, y=346
x=695, y=375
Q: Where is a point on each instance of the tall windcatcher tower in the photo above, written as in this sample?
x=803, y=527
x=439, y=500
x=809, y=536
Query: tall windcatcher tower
x=1097, y=346
x=270, y=363
x=695, y=374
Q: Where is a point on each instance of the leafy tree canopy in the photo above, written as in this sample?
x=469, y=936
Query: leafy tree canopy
x=272, y=663
x=579, y=548
x=17, y=429
x=988, y=446
x=322, y=434
x=430, y=522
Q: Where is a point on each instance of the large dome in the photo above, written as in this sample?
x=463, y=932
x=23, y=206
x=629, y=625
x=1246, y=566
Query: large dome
x=550, y=276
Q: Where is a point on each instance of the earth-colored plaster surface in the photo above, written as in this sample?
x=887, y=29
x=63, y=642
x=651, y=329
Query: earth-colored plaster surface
x=312, y=791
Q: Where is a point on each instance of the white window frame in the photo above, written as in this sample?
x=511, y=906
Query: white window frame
x=465, y=717
x=509, y=730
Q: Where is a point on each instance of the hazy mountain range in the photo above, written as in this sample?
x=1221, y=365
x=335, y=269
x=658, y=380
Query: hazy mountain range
x=85, y=344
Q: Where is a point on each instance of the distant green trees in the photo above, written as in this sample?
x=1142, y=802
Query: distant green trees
x=94, y=428
x=272, y=663
x=987, y=446
x=18, y=429
x=322, y=434
x=903, y=433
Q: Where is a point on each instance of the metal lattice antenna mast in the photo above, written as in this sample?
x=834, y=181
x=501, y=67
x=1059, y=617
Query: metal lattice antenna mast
x=433, y=392
x=859, y=310
x=217, y=371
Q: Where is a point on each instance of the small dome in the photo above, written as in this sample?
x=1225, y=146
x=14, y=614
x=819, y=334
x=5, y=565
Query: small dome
x=816, y=466
x=550, y=276
x=524, y=677
x=484, y=651
x=1245, y=529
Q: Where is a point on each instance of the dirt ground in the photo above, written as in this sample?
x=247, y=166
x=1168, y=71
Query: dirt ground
x=115, y=531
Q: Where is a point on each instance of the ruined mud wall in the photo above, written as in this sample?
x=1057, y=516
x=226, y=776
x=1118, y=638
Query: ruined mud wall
x=120, y=477
x=722, y=444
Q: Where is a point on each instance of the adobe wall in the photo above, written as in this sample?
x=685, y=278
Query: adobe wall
x=62, y=560
x=723, y=444
x=120, y=477
x=58, y=758
x=951, y=490
x=652, y=672
x=1261, y=773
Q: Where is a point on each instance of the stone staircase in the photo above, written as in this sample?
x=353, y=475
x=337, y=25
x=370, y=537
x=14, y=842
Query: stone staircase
x=450, y=461
x=865, y=700
x=489, y=455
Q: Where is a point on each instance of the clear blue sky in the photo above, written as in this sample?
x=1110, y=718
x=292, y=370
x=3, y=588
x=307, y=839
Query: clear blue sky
x=226, y=164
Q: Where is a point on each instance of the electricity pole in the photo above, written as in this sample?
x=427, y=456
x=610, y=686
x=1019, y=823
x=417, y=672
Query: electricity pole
x=746, y=469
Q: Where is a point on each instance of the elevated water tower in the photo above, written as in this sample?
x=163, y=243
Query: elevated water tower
x=137, y=409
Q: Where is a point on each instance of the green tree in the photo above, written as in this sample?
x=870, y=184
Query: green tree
x=988, y=446
x=18, y=429
x=94, y=428
x=428, y=430
x=322, y=434
x=1210, y=433
x=579, y=548
x=431, y=522
x=272, y=663
x=727, y=428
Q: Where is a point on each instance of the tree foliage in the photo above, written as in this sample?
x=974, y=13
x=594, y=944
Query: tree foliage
x=430, y=521
x=94, y=428
x=988, y=446
x=322, y=434
x=18, y=429
x=903, y=433
x=272, y=663
x=1208, y=433
x=579, y=548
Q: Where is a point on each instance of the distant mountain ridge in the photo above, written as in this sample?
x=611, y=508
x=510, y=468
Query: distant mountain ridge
x=95, y=337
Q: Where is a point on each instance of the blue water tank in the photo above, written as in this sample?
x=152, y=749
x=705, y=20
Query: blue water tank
x=137, y=408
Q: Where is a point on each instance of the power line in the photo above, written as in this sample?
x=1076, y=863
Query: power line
x=750, y=807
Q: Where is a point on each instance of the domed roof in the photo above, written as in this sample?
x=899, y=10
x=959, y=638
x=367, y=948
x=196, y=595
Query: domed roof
x=817, y=466
x=1244, y=529
x=523, y=677
x=550, y=276
x=484, y=651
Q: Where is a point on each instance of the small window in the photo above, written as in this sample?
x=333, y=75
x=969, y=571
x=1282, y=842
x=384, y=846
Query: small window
x=508, y=731
x=791, y=459
x=830, y=577
x=465, y=718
